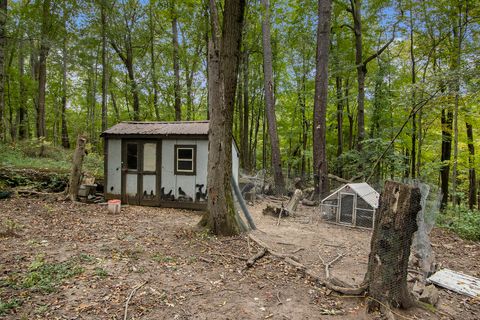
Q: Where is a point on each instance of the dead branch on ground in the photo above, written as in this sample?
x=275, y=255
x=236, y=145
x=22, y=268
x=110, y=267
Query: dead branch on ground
x=134, y=290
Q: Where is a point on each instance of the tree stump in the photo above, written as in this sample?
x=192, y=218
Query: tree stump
x=395, y=223
x=76, y=172
x=293, y=202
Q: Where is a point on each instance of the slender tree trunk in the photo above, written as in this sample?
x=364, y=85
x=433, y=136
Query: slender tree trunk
x=3, y=42
x=65, y=140
x=472, y=181
x=270, y=99
x=114, y=102
x=42, y=69
x=361, y=70
x=339, y=91
x=446, y=120
x=153, y=62
x=457, y=38
x=223, y=63
x=413, y=158
x=176, y=67
x=320, y=168
x=244, y=142
x=103, y=18
x=22, y=111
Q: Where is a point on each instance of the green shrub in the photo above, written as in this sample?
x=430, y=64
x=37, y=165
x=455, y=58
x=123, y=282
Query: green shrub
x=462, y=221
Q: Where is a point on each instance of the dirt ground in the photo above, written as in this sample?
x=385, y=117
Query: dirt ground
x=63, y=260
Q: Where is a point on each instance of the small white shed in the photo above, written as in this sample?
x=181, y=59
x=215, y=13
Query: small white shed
x=352, y=204
x=159, y=163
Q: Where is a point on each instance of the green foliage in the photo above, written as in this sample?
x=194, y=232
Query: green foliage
x=45, y=277
x=26, y=155
x=6, y=306
x=462, y=221
x=101, y=273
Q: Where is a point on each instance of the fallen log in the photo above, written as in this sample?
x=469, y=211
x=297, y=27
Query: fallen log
x=250, y=262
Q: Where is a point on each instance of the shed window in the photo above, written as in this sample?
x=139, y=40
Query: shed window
x=132, y=156
x=185, y=159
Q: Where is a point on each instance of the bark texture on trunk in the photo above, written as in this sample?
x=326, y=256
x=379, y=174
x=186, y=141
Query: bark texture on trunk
x=320, y=167
x=395, y=223
x=65, y=140
x=472, y=181
x=447, y=126
x=270, y=100
x=223, y=59
x=244, y=145
x=3, y=43
x=103, y=19
x=42, y=69
x=361, y=70
x=22, y=111
x=76, y=172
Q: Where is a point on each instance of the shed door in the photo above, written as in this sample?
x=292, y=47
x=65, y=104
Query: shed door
x=346, y=208
x=141, y=172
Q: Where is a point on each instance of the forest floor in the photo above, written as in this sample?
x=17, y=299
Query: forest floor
x=64, y=260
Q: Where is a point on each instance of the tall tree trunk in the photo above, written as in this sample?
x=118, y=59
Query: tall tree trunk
x=361, y=63
x=176, y=66
x=128, y=60
x=22, y=110
x=270, y=99
x=456, y=65
x=413, y=158
x=339, y=91
x=446, y=120
x=153, y=61
x=103, y=20
x=245, y=139
x=223, y=63
x=3, y=42
x=361, y=70
x=320, y=168
x=42, y=69
x=65, y=140
x=472, y=181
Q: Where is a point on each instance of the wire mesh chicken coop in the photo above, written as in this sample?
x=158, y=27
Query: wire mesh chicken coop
x=353, y=204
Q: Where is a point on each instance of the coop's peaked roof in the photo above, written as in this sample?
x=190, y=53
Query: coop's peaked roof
x=158, y=128
x=363, y=190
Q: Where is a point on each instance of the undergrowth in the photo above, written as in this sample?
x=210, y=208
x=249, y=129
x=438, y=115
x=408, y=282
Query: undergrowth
x=462, y=221
x=33, y=154
x=6, y=306
x=45, y=277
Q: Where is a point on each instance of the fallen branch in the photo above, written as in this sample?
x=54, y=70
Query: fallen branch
x=229, y=255
x=258, y=255
x=332, y=283
x=205, y=259
x=130, y=297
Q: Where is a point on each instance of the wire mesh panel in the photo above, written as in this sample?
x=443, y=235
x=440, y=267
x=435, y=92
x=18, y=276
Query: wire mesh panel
x=328, y=210
x=364, y=214
x=346, y=208
x=364, y=218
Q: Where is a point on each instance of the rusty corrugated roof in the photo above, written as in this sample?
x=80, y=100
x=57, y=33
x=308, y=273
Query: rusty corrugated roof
x=159, y=128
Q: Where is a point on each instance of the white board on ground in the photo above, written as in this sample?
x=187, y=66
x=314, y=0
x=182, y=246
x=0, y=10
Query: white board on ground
x=457, y=282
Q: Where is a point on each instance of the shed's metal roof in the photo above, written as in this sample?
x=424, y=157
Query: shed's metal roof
x=159, y=128
x=363, y=190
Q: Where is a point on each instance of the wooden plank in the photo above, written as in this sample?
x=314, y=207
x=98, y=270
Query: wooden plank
x=457, y=282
